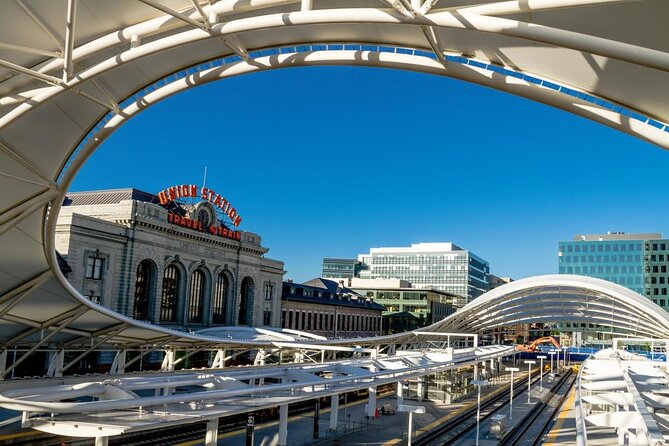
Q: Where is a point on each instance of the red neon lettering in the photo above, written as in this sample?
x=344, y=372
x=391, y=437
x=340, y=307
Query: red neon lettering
x=162, y=198
x=238, y=236
x=203, y=193
x=232, y=213
x=172, y=193
x=237, y=220
x=193, y=190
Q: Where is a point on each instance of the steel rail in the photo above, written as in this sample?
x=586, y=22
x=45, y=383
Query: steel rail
x=445, y=434
x=520, y=430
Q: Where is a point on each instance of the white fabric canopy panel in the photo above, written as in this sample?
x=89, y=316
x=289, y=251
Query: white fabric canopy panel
x=72, y=72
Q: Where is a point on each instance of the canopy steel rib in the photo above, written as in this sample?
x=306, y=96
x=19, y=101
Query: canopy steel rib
x=69, y=39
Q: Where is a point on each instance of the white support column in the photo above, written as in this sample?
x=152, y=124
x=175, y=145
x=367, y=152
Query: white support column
x=334, y=412
x=211, y=435
x=118, y=365
x=476, y=371
x=306, y=5
x=56, y=364
x=419, y=387
x=260, y=358
x=283, y=425
x=101, y=441
x=168, y=361
x=371, y=403
x=219, y=360
x=400, y=397
x=3, y=363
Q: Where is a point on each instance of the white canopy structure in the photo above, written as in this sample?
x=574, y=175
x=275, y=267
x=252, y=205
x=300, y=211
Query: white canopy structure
x=578, y=300
x=72, y=72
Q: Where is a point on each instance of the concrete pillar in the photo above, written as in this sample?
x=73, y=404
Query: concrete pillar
x=419, y=388
x=211, y=435
x=283, y=425
x=334, y=412
x=101, y=441
x=400, y=398
x=371, y=403
x=476, y=371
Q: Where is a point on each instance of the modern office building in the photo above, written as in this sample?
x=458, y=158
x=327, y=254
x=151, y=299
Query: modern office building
x=170, y=264
x=440, y=266
x=639, y=262
x=341, y=268
x=614, y=256
x=327, y=308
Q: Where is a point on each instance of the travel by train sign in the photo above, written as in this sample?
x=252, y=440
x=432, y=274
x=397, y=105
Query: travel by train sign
x=202, y=207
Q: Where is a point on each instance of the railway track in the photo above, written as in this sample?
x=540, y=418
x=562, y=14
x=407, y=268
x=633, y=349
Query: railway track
x=453, y=429
x=532, y=428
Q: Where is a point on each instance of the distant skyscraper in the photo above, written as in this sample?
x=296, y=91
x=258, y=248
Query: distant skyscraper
x=341, y=268
x=636, y=261
x=441, y=266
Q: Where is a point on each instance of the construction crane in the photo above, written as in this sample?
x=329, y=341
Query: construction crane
x=532, y=347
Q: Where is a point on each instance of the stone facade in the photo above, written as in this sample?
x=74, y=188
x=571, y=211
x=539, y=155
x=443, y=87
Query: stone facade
x=105, y=244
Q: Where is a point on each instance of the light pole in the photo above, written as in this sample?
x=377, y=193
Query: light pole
x=411, y=410
x=541, y=373
x=529, y=378
x=557, y=363
x=552, y=353
x=478, y=383
x=564, y=357
x=511, y=369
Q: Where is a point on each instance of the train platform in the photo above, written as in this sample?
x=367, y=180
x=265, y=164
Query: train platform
x=563, y=432
x=354, y=429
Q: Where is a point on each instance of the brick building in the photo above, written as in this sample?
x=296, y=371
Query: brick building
x=327, y=308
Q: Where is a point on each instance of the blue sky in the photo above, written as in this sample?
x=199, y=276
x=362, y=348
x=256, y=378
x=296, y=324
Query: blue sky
x=331, y=161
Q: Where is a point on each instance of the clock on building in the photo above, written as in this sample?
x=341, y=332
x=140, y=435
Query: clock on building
x=205, y=214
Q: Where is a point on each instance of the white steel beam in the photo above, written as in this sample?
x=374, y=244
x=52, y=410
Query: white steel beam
x=34, y=74
x=203, y=15
x=29, y=50
x=69, y=39
x=173, y=13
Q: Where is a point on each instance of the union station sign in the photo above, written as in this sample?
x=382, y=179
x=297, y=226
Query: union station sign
x=202, y=216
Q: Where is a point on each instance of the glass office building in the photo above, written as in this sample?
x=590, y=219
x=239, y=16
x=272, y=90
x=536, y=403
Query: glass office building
x=636, y=261
x=614, y=257
x=341, y=268
x=441, y=266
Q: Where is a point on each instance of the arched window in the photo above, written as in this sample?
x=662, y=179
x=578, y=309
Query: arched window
x=220, y=295
x=246, y=302
x=142, y=290
x=171, y=285
x=196, y=296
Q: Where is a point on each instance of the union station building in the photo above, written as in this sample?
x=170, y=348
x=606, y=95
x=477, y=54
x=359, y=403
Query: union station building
x=153, y=258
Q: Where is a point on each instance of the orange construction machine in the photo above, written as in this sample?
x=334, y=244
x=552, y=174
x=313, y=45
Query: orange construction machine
x=532, y=347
